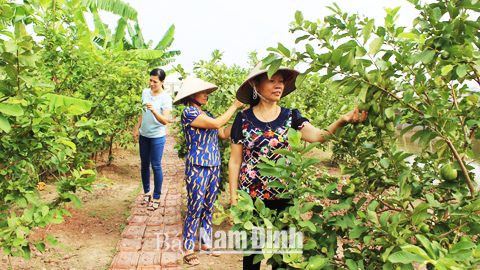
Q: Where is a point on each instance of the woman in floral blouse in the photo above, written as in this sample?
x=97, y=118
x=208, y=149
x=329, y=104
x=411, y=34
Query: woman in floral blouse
x=263, y=128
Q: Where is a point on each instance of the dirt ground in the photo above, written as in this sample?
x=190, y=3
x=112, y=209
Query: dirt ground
x=90, y=236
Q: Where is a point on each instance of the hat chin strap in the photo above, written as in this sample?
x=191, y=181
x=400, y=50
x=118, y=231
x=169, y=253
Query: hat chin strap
x=189, y=99
x=256, y=93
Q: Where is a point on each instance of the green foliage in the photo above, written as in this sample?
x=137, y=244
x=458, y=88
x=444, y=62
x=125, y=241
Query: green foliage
x=62, y=99
x=393, y=211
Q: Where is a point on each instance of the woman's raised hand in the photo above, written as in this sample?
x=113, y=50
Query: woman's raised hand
x=150, y=106
x=237, y=104
x=354, y=116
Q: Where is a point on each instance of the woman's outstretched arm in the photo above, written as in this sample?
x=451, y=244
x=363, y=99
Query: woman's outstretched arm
x=313, y=134
x=204, y=121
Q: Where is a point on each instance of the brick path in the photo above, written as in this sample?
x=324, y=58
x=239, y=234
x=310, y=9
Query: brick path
x=152, y=240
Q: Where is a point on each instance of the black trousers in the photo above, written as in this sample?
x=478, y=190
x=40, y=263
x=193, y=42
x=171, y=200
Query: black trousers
x=278, y=205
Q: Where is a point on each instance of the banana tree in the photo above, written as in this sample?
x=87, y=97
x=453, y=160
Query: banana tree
x=120, y=41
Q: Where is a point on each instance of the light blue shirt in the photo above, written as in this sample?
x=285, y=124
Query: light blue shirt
x=151, y=127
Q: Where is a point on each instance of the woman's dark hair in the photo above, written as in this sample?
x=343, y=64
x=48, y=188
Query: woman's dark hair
x=159, y=73
x=257, y=79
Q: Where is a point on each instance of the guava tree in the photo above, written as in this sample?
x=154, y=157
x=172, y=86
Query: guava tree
x=392, y=212
x=62, y=98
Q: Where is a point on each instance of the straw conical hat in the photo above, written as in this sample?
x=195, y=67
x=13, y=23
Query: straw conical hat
x=193, y=85
x=245, y=92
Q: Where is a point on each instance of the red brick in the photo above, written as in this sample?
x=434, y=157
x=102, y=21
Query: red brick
x=150, y=258
x=173, y=230
x=125, y=260
x=171, y=196
x=153, y=244
x=172, y=210
x=160, y=211
x=137, y=204
x=171, y=203
x=140, y=212
x=137, y=220
x=152, y=231
x=151, y=267
x=174, y=191
x=171, y=259
x=134, y=231
x=174, y=219
x=154, y=220
x=131, y=245
x=173, y=244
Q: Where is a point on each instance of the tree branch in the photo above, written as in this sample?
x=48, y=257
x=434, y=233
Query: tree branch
x=66, y=76
x=447, y=233
x=460, y=162
x=383, y=89
x=13, y=163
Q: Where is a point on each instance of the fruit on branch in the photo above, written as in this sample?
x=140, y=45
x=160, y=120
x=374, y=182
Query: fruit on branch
x=448, y=173
x=379, y=123
x=375, y=109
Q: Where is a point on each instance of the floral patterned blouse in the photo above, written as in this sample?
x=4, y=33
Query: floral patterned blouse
x=260, y=139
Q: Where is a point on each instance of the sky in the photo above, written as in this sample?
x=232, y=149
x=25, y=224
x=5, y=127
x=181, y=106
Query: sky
x=239, y=27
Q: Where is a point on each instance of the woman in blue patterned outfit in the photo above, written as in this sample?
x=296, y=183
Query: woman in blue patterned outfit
x=150, y=131
x=263, y=128
x=202, y=171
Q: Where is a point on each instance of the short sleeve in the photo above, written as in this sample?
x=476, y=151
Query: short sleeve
x=143, y=96
x=189, y=115
x=236, y=133
x=298, y=121
x=167, y=103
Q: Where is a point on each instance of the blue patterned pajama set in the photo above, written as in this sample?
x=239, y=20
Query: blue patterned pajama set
x=202, y=177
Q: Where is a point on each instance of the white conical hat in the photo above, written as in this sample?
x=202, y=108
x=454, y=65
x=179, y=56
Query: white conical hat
x=193, y=85
x=245, y=91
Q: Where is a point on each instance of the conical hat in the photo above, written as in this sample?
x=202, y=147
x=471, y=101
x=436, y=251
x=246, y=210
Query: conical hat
x=193, y=85
x=245, y=92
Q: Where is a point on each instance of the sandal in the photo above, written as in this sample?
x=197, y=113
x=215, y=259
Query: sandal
x=153, y=206
x=212, y=252
x=189, y=258
x=146, y=199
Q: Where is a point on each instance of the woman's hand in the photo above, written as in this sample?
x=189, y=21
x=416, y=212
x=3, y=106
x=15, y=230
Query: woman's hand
x=150, y=106
x=233, y=201
x=354, y=116
x=237, y=104
x=136, y=135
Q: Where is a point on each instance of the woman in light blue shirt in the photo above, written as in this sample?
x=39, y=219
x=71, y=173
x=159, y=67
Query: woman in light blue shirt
x=150, y=131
